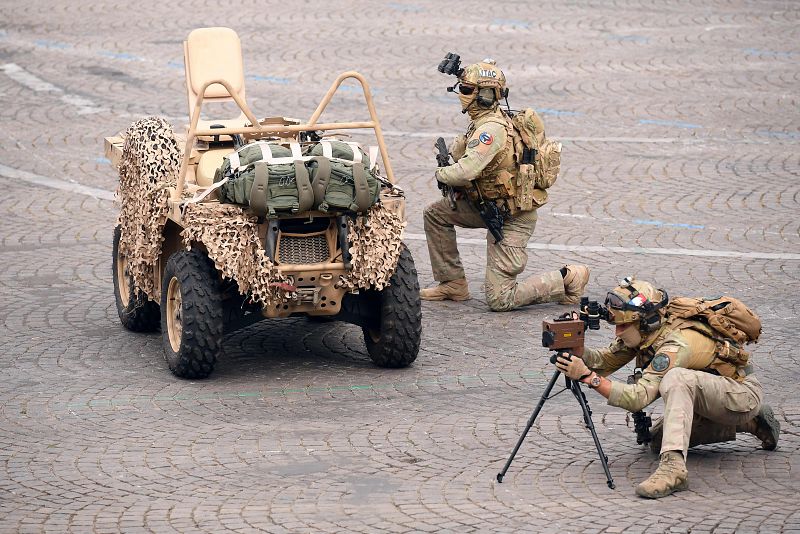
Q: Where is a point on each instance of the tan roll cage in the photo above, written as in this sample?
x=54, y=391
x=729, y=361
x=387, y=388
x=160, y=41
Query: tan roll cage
x=269, y=128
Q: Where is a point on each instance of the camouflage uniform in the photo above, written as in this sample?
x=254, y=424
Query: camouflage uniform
x=484, y=156
x=687, y=384
x=707, y=396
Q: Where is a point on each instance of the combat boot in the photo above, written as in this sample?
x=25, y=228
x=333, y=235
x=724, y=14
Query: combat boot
x=671, y=476
x=765, y=426
x=453, y=290
x=574, y=283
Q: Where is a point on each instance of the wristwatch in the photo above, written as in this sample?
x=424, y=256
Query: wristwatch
x=594, y=381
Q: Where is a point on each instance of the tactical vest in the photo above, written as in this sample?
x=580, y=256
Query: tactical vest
x=501, y=180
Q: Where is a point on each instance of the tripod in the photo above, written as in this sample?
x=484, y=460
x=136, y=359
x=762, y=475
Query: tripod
x=575, y=387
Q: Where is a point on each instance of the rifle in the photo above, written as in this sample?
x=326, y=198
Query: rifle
x=491, y=214
x=443, y=160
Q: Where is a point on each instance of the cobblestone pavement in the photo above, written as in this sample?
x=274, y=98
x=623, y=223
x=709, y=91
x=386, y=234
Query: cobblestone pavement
x=681, y=165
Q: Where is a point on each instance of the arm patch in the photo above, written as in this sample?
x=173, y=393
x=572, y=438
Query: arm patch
x=661, y=362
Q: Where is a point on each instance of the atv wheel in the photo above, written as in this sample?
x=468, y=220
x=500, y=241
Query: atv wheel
x=136, y=312
x=395, y=341
x=191, y=318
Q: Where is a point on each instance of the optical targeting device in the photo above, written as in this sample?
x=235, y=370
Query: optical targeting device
x=564, y=335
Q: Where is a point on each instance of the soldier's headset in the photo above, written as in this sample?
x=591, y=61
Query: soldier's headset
x=648, y=318
x=487, y=96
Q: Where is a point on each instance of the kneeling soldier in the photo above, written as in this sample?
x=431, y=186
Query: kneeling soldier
x=485, y=158
x=681, y=362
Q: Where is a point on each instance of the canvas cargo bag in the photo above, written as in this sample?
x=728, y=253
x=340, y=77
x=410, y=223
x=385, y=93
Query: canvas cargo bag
x=268, y=177
x=350, y=185
x=273, y=179
x=538, y=158
x=727, y=316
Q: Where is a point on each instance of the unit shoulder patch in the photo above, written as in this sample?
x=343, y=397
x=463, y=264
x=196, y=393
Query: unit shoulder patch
x=486, y=138
x=661, y=362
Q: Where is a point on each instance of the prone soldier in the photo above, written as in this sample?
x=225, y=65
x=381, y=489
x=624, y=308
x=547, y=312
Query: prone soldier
x=709, y=390
x=490, y=193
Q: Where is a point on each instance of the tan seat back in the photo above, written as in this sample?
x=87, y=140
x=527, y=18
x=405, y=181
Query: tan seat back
x=213, y=54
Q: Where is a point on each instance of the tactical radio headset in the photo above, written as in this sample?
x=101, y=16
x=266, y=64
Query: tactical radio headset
x=451, y=64
x=648, y=318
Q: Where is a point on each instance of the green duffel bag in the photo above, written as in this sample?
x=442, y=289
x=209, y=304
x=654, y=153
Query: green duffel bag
x=267, y=177
x=349, y=185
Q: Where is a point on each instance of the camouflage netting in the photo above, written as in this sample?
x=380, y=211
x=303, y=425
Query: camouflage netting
x=230, y=237
x=375, y=246
x=149, y=165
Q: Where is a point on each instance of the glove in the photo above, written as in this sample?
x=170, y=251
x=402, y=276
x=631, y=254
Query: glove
x=458, y=147
x=573, y=367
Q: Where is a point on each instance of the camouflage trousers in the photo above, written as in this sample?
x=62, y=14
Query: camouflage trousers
x=504, y=260
x=722, y=402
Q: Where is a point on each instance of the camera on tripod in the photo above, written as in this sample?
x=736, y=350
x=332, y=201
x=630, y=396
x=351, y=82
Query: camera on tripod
x=451, y=64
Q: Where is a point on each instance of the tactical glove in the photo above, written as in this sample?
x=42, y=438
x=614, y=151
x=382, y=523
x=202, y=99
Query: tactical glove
x=573, y=367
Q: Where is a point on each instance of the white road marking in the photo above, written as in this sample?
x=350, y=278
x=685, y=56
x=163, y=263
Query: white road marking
x=633, y=250
x=36, y=84
x=55, y=183
x=94, y=192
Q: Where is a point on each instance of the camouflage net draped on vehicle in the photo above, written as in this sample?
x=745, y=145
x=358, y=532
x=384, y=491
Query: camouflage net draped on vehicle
x=375, y=245
x=230, y=237
x=149, y=165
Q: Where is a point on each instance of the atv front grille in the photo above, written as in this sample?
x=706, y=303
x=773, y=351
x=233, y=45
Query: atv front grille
x=303, y=249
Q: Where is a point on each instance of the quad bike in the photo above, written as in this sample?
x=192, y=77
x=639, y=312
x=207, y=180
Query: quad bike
x=303, y=257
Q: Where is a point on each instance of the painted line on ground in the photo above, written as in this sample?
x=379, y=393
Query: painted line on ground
x=55, y=183
x=94, y=192
x=632, y=250
x=36, y=84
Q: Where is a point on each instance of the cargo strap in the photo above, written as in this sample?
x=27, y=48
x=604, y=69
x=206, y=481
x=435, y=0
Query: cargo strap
x=362, y=200
x=260, y=193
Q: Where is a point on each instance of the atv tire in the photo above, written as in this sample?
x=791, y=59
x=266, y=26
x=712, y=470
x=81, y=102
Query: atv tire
x=395, y=342
x=191, y=314
x=136, y=312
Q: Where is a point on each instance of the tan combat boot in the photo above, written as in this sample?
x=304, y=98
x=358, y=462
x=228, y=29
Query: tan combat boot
x=575, y=283
x=671, y=476
x=453, y=290
x=764, y=426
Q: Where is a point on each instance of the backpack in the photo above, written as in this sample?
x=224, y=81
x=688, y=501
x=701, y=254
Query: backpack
x=538, y=158
x=727, y=316
x=273, y=179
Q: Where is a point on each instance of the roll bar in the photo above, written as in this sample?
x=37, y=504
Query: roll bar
x=275, y=128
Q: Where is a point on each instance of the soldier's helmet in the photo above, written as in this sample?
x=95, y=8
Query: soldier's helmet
x=636, y=300
x=487, y=80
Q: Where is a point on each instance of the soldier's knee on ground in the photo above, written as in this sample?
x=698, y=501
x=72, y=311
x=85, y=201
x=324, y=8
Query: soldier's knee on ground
x=499, y=300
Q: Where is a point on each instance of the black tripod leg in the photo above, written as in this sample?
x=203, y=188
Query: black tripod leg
x=575, y=387
x=546, y=393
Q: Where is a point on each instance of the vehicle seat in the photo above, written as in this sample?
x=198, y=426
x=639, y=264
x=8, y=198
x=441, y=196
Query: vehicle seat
x=210, y=161
x=213, y=54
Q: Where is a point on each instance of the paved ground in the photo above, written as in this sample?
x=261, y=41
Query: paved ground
x=681, y=165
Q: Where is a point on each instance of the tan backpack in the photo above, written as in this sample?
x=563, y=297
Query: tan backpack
x=541, y=162
x=727, y=316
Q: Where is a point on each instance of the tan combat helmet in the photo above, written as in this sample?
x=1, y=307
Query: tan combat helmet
x=636, y=300
x=489, y=81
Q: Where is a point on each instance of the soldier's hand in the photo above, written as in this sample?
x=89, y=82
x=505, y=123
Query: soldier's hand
x=573, y=367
